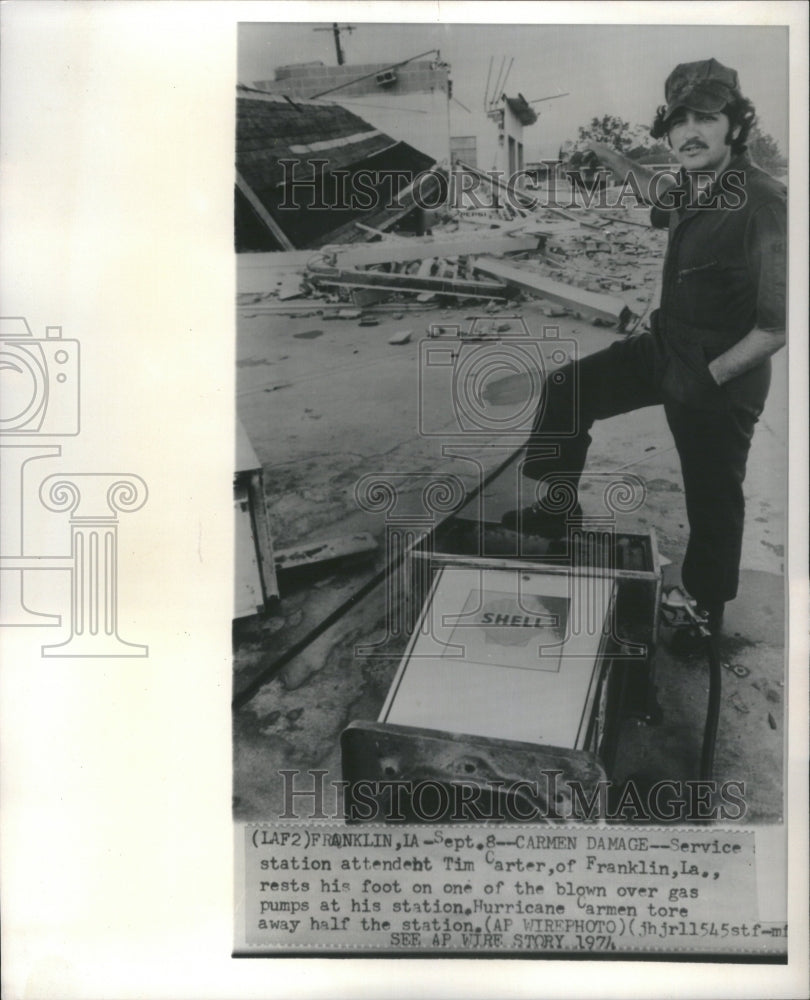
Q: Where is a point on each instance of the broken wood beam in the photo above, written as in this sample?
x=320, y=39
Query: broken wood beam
x=380, y=232
x=347, y=547
x=318, y=307
x=292, y=286
x=406, y=282
x=592, y=305
x=364, y=297
x=527, y=201
x=255, y=203
x=620, y=220
x=261, y=272
x=422, y=248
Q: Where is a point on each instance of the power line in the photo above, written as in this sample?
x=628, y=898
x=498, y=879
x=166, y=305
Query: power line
x=366, y=76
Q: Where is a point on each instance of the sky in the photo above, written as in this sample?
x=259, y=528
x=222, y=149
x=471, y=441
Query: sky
x=607, y=69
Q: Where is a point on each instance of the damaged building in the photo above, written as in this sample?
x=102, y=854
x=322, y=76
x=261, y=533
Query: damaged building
x=342, y=308
x=307, y=171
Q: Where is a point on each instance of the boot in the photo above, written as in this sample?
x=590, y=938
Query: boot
x=536, y=520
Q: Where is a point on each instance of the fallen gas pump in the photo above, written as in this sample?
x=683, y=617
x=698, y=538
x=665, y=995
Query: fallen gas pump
x=522, y=662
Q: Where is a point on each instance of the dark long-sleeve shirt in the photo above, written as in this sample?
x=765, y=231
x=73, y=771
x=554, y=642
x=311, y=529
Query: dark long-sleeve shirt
x=724, y=274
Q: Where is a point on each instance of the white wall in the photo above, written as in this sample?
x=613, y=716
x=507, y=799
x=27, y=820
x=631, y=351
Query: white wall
x=426, y=121
x=419, y=119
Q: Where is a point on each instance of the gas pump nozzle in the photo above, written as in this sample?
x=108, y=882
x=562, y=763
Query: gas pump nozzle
x=681, y=611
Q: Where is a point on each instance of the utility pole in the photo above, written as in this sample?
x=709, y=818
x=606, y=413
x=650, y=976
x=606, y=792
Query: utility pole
x=336, y=30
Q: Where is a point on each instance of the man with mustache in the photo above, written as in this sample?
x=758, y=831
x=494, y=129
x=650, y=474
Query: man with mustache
x=706, y=357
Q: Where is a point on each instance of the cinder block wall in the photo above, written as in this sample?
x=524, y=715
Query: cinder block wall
x=310, y=78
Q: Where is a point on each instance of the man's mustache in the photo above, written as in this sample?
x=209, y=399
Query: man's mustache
x=693, y=142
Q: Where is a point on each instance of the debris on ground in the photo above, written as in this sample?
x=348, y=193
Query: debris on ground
x=358, y=545
x=593, y=257
x=601, y=264
x=739, y=704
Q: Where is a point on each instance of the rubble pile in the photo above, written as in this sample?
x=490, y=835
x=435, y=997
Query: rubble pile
x=597, y=263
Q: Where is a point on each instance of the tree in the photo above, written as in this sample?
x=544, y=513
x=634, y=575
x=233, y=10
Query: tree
x=610, y=130
x=633, y=141
x=764, y=150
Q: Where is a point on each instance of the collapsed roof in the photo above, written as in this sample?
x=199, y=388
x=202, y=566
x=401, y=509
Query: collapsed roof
x=521, y=109
x=297, y=167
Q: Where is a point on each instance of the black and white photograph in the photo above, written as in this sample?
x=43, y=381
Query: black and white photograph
x=403, y=509
x=511, y=384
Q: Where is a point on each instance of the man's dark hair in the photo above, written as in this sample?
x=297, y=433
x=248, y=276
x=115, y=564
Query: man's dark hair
x=740, y=112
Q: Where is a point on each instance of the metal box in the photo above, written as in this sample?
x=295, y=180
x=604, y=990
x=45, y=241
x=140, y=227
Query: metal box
x=506, y=653
x=631, y=558
x=521, y=656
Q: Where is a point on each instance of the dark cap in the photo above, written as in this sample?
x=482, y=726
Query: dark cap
x=701, y=86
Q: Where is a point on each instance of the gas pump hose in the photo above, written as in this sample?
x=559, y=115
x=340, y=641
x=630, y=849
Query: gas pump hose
x=680, y=611
x=713, y=708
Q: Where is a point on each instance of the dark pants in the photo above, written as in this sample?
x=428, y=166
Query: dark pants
x=712, y=444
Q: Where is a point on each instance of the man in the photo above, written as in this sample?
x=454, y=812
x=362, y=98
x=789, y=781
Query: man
x=706, y=359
